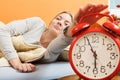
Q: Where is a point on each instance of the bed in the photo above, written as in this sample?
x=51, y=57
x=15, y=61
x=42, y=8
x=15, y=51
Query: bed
x=49, y=71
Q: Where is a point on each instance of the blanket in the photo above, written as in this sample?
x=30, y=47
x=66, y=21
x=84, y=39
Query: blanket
x=28, y=52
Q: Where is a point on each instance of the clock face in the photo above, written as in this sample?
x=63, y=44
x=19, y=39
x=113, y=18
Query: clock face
x=95, y=55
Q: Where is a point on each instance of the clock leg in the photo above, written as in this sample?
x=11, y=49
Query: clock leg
x=80, y=78
x=117, y=77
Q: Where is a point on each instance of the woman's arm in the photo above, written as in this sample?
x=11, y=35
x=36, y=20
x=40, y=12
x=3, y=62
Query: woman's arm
x=63, y=40
x=56, y=47
x=14, y=28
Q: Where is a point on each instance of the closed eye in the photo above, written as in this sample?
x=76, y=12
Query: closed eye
x=67, y=23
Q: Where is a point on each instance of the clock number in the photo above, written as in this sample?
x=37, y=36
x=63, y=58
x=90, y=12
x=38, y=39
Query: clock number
x=95, y=39
x=109, y=46
x=102, y=70
x=95, y=71
x=81, y=63
x=78, y=56
x=109, y=65
x=82, y=48
x=88, y=68
x=112, y=56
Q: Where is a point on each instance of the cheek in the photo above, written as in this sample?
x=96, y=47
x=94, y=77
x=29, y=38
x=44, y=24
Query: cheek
x=52, y=22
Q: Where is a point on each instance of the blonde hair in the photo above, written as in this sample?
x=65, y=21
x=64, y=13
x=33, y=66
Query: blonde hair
x=67, y=12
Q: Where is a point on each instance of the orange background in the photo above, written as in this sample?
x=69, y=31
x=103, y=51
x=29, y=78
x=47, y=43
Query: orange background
x=46, y=9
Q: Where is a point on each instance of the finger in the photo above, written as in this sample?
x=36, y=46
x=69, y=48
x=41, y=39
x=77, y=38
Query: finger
x=100, y=7
x=20, y=68
x=92, y=8
x=89, y=6
x=83, y=11
x=88, y=9
x=29, y=69
x=100, y=16
x=24, y=67
x=33, y=67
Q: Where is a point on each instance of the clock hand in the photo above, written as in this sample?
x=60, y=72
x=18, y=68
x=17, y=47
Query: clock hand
x=94, y=52
x=95, y=60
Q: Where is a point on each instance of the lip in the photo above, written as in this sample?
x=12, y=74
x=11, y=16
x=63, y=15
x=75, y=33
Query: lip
x=56, y=27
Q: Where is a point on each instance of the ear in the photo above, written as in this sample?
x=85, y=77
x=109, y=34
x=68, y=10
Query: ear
x=112, y=27
x=79, y=28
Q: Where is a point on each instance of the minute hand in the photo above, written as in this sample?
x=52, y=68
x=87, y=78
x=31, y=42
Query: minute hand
x=94, y=52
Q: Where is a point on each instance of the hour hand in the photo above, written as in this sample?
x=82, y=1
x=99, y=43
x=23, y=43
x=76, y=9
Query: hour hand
x=95, y=58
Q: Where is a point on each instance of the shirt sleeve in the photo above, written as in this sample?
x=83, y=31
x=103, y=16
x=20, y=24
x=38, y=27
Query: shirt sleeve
x=55, y=48
x=15, y=28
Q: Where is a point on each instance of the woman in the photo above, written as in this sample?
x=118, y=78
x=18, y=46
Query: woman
x=35, y=32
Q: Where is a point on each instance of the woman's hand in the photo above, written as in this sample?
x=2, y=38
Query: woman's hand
x=91, y=8
x=22, y=67
x=25, y=67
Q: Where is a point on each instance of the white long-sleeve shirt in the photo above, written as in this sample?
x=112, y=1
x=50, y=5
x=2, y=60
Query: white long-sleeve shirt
x=31, y=29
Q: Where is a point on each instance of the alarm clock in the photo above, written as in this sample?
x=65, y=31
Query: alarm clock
x=95, y=50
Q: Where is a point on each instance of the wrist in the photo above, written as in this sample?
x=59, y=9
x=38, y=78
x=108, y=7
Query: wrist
x=14, y=62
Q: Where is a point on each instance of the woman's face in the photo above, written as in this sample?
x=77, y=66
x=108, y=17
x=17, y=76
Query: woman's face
x=60, y=22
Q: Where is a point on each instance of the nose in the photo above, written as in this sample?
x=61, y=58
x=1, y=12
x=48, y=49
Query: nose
x=59, y=23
